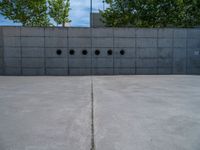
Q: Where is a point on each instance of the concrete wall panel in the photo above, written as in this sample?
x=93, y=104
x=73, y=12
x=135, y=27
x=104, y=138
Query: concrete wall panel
x=80, y=71
x=11, y=41
x=193, y=52
x=180, y=52
x=193, y=33
x=146, y=71
x=165, y=33
x=52, y=52
x=195, y=71
x=179, y=66
x=180, y=43
x=79, y=42
x=33, y=62
x=167, y=62
x=102, y=71
x=56, y=32
x=102, y=63
x=80, y=63
x=103, y=52
x=79, y=32
x=194, y=62
x=56, y=71
x=79, y=52
x=12, y=62
x=1, y=52
x=102, y=42
x=12, y=52
x=124, y=71
x=150, y=33
x=124, y=42
x=146, y=63
x=56, y=63
x=124, y=63
x=165, y=52
x=124, y=32
x=127, y=52
x=193, y=43
x=1, y=36
x=29, y=31
x=146, y=42
x=1, y=41
x=32, y=52
x=11, y=31
x=1, y=62
x=12, y=71
x=147, y=52
x=180, y=33
x=102, y=32
x=165, y=42
x=33, y=71
x=55, y=42
x=164, y=71
x=32, y=41
x=1, y=71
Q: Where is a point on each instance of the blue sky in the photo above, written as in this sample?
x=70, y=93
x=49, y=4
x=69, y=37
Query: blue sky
x=79, y=14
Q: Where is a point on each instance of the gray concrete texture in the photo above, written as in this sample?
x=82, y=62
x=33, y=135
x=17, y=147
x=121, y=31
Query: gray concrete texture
x=45, y=113
x=146, y=51
x=129, y=112
x=147, y=112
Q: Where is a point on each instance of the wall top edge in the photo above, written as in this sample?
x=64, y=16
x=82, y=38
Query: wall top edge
x=97, y=27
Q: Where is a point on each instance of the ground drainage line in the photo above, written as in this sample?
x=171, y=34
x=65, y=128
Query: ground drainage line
x=92, y=116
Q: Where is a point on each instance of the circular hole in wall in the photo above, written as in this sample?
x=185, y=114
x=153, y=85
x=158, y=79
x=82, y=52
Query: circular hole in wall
x=59, y=52
x=71, y=52
x=97, y=52
x=84, y=52
x=122, y=52
x=109, y=52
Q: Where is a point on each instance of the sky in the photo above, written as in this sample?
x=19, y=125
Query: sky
x=79, y=14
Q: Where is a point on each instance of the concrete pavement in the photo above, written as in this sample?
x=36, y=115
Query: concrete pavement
x=130, y=112
x=147, y=113
x=45, y=113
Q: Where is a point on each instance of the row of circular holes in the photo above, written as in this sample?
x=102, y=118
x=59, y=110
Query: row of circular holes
x=85, y=52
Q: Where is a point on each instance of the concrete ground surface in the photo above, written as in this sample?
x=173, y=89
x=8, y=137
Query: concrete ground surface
x=129, y=112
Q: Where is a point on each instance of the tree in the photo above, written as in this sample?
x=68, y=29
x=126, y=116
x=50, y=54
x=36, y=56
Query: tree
x=152, y=13
x=59, y=11
x=26, y=12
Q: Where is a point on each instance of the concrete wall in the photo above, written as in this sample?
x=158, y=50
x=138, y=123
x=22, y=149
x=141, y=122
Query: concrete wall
x=73, y=51
x=1, y=52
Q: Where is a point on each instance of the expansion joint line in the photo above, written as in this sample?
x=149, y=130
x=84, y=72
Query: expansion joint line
x=92, y=116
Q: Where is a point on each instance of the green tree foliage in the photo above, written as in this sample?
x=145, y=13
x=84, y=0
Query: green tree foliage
x=152, y=13
x=26, y=12
x=59, y=11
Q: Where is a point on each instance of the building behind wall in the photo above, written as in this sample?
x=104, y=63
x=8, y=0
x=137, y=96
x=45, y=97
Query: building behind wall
x=96, y=20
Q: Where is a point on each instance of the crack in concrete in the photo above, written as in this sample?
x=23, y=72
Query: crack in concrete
x=92, y=117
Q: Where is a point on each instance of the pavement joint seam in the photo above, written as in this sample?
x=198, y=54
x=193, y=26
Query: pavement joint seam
x=92, y=116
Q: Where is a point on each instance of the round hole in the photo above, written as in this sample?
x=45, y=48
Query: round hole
x=122, y=52
x=97, y=52
x=84, y=52
x=59, y=52
x=109, y=52
x=71, y=52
